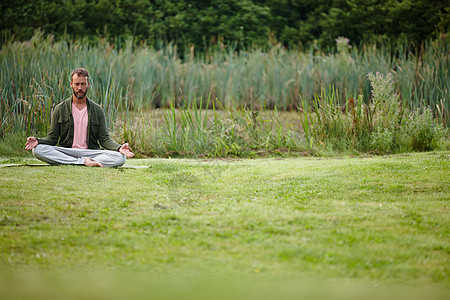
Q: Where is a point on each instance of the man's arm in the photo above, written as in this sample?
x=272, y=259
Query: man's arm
x=103, y=135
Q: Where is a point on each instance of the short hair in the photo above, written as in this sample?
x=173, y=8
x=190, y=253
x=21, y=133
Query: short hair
x=80, y=72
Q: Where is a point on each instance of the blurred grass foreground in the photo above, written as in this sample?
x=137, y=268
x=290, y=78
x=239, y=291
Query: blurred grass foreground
x=373, y=227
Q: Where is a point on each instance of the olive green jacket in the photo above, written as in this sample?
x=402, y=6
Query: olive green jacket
x=62, y=127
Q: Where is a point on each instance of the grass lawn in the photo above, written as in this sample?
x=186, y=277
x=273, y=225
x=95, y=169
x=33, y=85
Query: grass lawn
x=96, y=233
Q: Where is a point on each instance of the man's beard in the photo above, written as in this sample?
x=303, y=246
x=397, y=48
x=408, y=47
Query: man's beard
x=80, y=95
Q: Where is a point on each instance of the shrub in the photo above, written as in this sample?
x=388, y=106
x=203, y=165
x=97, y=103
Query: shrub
x=383, y=125
x=382, y=140
x=396, y=128
x=424, y=133
x=386, y=105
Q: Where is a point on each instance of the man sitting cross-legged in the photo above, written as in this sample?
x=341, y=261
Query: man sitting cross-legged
x=79, y=125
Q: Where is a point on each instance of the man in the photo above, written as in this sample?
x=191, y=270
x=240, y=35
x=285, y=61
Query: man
x=79, y=125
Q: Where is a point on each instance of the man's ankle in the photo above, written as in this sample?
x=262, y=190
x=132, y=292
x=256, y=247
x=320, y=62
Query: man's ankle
x=92, y=163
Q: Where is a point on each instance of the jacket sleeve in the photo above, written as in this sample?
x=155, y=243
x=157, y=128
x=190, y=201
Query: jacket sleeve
x=53, y=135
x=103, y=136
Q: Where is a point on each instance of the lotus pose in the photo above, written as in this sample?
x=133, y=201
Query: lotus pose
x=79, y=126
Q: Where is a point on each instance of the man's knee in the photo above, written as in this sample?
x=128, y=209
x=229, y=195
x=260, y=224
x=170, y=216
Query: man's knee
x=42, y=152
x=39, y=151
x=121, y=160
x=115, y=159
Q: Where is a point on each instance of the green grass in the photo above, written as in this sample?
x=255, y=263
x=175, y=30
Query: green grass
x=353, y=222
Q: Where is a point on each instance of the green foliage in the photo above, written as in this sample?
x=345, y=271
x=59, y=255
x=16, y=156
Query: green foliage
x=396, y=128
x=133, y=80
x=423, y=131
x=383, y=125
x=242, y=23
x=196, y=132
x=382, y=140
x=35, y=77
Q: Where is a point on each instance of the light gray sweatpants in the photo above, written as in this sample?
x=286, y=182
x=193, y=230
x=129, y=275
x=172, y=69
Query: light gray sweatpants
x=72, y=156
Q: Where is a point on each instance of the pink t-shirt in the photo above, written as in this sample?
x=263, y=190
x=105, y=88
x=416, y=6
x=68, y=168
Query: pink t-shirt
x=80, y=122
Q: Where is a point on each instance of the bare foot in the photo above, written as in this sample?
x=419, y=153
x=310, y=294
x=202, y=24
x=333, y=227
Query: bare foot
x=91, y=163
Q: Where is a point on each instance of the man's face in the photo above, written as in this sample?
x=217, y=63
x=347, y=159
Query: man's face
x=80, y=85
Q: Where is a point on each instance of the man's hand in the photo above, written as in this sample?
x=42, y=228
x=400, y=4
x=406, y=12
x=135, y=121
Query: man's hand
x=126, y=150
x=31, y=143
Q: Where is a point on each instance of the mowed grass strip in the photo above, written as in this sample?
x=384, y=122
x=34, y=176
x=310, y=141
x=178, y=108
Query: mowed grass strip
x=372, y=219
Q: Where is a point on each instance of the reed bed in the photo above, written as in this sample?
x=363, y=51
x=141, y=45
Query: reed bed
x=132, y=81
x=206, y=133
x=34, y=77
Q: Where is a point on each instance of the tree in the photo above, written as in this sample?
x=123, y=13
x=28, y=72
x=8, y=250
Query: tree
x=244, y=23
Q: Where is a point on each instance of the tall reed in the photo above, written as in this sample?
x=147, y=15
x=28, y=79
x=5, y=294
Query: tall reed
x=34, y=77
